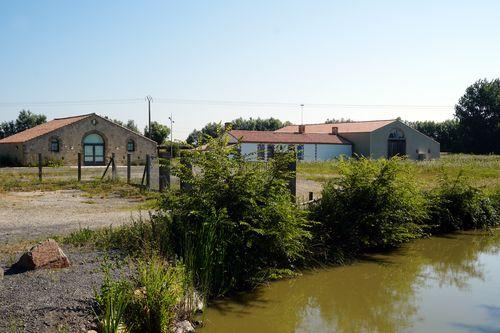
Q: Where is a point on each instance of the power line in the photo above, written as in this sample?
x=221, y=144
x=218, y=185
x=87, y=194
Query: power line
x=214, y=103
x=73, y=102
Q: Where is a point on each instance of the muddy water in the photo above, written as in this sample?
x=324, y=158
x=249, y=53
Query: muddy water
x=441, y=284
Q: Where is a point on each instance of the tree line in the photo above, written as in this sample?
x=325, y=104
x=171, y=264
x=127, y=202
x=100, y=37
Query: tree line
x=476, y=125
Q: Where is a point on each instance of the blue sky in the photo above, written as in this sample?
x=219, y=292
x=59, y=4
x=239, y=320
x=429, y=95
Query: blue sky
x=364, y=59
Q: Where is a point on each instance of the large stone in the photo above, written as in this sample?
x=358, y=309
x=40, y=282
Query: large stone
x=46, y=254
x=183, y=327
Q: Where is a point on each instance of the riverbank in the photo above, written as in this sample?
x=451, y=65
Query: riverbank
x=439, y=284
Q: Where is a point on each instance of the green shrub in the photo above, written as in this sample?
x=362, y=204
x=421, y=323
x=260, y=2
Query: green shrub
x=113, y=300
x=373, y=204
x=457, y=205
x=160, y=289
x=236, y=221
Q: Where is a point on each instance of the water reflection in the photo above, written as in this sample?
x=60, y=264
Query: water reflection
x=381, y=293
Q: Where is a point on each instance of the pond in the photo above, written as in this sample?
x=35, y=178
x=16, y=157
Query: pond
x=440, y=284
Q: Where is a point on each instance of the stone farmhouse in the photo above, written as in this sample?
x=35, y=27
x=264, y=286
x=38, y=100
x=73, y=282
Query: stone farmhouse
x=60, y=140
x=320, y=142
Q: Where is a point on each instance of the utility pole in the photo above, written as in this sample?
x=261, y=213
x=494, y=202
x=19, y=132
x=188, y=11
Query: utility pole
x=149, y=99
x=302, y=114
x=171, y=135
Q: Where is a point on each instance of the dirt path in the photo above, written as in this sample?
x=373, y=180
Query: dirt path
x=31, y=215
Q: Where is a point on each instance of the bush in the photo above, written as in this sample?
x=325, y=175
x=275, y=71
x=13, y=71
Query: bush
x=371, y=205
x=154, y=304
x=457, y=205
x=236, y=225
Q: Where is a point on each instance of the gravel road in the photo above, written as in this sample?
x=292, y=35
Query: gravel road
x=31, y=215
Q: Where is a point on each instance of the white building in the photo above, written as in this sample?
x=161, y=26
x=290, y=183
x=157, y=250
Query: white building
x=260, y=145
x=378, y=138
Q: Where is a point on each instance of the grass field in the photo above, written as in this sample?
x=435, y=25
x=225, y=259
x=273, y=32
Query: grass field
x=482, y=170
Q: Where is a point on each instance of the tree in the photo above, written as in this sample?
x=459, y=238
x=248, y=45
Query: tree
x=478, y=113
x=159, y=132
x=210, y=130
x=130, y=124
x=336, y=121
x=25, y=120
x=446, y=133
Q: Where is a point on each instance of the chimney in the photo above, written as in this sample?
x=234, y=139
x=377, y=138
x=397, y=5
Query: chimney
x=335, y=130
x=302, y=129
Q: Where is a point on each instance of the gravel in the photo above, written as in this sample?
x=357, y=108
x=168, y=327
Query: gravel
x=32, y=215
x=52, y=300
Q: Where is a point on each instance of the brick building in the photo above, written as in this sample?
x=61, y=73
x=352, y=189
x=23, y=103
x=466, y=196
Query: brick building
x=60, y=140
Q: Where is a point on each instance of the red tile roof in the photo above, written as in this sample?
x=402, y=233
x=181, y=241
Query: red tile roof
x=42, y=129
x=352, y=127
x=287, y=138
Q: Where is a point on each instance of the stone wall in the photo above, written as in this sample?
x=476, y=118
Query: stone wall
x=12, y=152
x=71, y=143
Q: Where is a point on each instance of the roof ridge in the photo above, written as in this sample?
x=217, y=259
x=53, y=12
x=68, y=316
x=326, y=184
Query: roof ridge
x=345, y=122
x=80, y=116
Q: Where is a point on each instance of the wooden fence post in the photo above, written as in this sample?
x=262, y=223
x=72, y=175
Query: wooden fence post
x=113, y=167
x=292, y=184
x=164, y=173
x=79, y=167
x=148, y=172
x=40, y=166
x=129, y=168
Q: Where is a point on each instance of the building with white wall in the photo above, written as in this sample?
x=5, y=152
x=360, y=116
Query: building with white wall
x=377, y=138
x=261, y=145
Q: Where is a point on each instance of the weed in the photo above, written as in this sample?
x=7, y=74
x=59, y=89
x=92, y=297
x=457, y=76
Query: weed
x=161, y=288
x=113, y=299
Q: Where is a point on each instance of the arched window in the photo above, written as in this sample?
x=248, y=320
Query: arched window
x=54, y=145
x=130, y=145
x=396, y=134
x=93, y=149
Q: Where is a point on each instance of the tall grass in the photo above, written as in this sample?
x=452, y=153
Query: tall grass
x=113, y=299
x=161, y=289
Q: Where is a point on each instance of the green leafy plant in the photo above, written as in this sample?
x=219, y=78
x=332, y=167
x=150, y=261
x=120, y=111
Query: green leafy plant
x=235, y=220
x=112, y=299
x=161, y=287
x=457, y=205
x=370, y=205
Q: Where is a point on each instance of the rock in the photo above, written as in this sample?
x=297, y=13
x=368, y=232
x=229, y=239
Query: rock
x=183, y=327
x=46, y=254
x=1, y=273
x=91, y=331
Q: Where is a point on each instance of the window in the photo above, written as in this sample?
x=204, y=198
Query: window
x=300, y=152
x=270, y=151
x=396, y=134
x=54, y=145
x=261, y=152
x=130, y=145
